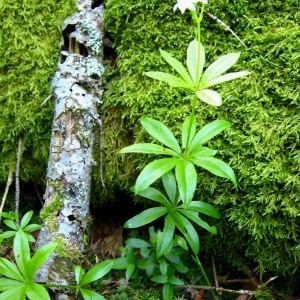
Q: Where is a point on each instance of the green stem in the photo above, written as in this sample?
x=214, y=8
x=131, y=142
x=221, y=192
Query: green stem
x=61, y=286
x=204, y=274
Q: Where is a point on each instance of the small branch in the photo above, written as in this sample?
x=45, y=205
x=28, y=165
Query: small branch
x=17, y=179
x=46, y=100
x=226, y=27
x=39, y=195
x=204, y=287
x=215, y=274
x=99, y=121
x=8, y=183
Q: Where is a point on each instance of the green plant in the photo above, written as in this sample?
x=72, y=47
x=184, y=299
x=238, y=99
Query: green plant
x=95, y=273
x=17, y=281
x=179, y=206
x=160, y=267
x=11, y=222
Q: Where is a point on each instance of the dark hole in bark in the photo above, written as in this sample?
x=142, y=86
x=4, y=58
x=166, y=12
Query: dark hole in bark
x=96, y=3
x=66, y=36
x=70, y=44
x=71, y=218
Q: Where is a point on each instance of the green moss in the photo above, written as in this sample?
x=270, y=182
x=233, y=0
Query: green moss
x=30, y=32
x=260, y=226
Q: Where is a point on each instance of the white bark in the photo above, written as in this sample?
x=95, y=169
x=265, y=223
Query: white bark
x=76, y=88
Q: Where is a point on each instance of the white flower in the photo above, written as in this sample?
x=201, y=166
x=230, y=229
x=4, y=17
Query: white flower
x=187, y=4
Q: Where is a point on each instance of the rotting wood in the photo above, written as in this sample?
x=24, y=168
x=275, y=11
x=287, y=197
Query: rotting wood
x=76, y=88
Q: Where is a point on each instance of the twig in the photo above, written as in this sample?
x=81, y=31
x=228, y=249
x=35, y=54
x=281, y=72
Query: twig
x=99, y=121
x=39, y=195
x=209, y=288
x=17, y=180
x=226, y=27
x=46, y=100
x=8, y=183
x=215, y=275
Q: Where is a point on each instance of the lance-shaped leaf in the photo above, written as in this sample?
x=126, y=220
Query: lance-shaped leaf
x=168, y=291
x=26, y=218
x=97, y=272
x=227, y=77
x=170, y=186
x=218, y=67
x=172, y=80
x=137, y=243
x=10, y=270
x=145, y=217
x=177, y=65
x=78, y=273
x=22, y=253
x=7, y=284
x=195, y=67
x=206, y=133
x=165, y=237
x=188, y=131
x=186, y=176
x=210, y=97
x=215, y=166
x=39, y=257
x=190, y=234
x=198, y=150
x=193, y=216
x=161, y=132
x=204, y=208
x=36, y=291
x=153, y=171
x=154, y=194
x=90, y=295
x=149, y=149
x=17, y=293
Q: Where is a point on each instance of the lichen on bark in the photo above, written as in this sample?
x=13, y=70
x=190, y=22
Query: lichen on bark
x=77, y=91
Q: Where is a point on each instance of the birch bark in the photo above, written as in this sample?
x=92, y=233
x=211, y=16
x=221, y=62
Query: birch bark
x=77, y=91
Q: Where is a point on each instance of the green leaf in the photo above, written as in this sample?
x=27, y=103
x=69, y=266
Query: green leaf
x=164, y=238
x=78, y=274
x=137, y=243
x=227, y=77
x=29, y=237
x=192, y=63
x=153, y=194
x=198, y=150
x=120, y=263
x=215, y=166
x=163, y=266
x=32, y=227
x=160, y=279
x=206, y=133
x=148, y=148
x=193, y=216
x=188, y=131
x=178, y=66
x=153, y=171
x=210, y=97
x=6, y=234
x=10, y=270
x=17, y=293
x=186, y=176
x=151, y=263
x=10, y=215
x=172, y=80
x=26, y=218
x=97, y=272
x=204, y=208
x=218, y=67
x=39, y=258
x=181, y=241
x=11, y=224
x=161, y=132
x=7, y=283
x=36, y=291
x=145, y=217
x=22, y=253
x=90, y=295
x=181, y=268
x=170, y=186
x=129, y=271
x=190, y=234
x=175, y=281
x=168, y=290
